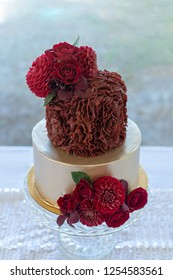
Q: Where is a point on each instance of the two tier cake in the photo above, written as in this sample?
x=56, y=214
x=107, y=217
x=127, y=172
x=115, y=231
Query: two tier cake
x=86, y=150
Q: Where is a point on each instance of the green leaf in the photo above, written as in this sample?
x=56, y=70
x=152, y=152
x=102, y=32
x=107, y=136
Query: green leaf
x=76, y=43
x=77, y=176
x=48, y=98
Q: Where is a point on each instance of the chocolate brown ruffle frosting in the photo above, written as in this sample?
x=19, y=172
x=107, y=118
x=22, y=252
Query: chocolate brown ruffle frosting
x=93, y=123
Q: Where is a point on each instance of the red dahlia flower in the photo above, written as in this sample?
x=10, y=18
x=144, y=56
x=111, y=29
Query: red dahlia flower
x=109, y=194
x=89, y=216
x=39, y=76
x=88, y=61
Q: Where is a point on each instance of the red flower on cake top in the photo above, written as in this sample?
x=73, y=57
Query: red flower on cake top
x=86, y=112
x=105, y=200
x=65, y=68
x=62, y=51
x=40, y=75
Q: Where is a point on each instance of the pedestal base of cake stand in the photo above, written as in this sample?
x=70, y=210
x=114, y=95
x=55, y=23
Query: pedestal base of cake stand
x=81, y=242
x=86, y=247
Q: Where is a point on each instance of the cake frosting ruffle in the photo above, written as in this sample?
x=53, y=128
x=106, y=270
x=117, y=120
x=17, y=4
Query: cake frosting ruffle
x=93, y=122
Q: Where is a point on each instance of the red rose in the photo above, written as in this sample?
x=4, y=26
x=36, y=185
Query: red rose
x=66, y=203
x=117, y=219
x=89, y=216
x=61, y=51
x=67, y=72
x=82, y=191
x=65, y=49
x=137, y=199
x=109, y=194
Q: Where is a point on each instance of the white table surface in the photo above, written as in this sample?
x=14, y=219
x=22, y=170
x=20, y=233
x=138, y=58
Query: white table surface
x=22, y=237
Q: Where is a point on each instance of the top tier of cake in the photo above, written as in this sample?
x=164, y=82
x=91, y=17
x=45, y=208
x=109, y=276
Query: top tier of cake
x=91, y=122
x=86, y=112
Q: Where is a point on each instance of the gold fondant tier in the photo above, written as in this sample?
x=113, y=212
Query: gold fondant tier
x=142, y=182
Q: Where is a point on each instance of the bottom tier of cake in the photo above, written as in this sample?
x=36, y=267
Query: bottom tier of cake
x=53, y=168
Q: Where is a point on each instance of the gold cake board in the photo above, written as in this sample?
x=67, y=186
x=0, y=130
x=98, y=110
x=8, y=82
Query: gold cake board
x=142, y=182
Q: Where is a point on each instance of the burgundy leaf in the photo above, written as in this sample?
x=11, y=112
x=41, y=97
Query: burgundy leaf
x=61, y=219
x=64, y=95
x=124, y=183
x=125, y=207
x=82, y=84
x=74, y=218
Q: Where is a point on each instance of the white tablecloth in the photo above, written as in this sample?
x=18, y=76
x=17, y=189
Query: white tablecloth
x=22, y=237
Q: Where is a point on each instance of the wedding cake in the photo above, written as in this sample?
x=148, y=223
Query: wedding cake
x=86, y=150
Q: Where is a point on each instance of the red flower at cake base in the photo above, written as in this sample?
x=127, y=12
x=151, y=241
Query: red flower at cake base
x=83, y=191
x=109, y=194
x=89, y=215
x=105, y=200
x=137, y=199
x=66, y=203
x=117, y=219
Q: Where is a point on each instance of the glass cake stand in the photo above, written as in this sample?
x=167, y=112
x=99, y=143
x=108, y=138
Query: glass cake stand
x=81, y=242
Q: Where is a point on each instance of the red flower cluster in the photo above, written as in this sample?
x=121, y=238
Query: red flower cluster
x=62, y=68
x=105, y=200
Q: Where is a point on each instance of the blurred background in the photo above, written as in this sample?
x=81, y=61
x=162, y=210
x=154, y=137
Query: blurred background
x=133, y=38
